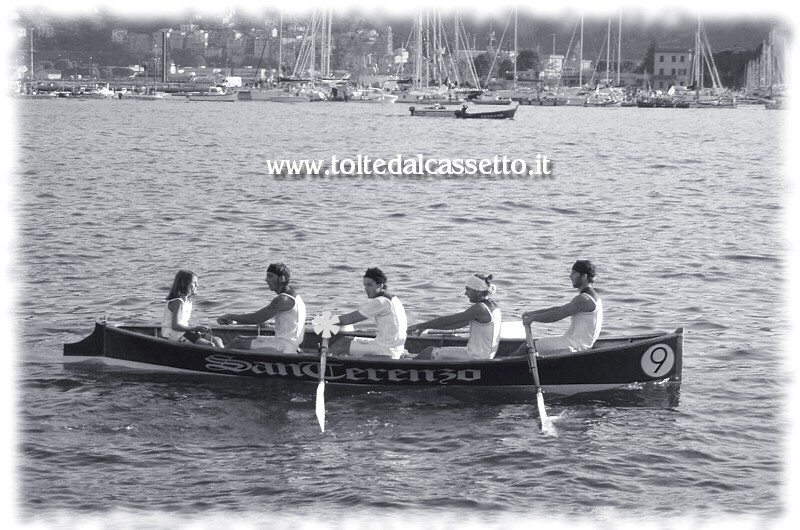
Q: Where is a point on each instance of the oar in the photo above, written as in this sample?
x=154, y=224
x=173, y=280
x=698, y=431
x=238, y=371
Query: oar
x=325, y=325
x=320, y=405
x=547, y=423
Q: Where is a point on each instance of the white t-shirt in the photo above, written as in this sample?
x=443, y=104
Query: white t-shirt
x=184, y=312
x=390, y=318
x=291, y=325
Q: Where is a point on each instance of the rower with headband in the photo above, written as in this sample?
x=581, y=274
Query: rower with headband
x=483, y=318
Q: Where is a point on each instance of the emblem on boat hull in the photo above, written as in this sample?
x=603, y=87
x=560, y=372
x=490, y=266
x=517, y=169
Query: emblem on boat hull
x=658, y=360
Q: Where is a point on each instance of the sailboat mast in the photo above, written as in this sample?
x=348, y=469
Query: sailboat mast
x=580, y=57
x=330, y=42
x=619, y=49
x=312, y=48
x=418, y=53
x=280, y=47
x=697, y=79
x=608, y=52
x=515, y=48
x=31, y=53
x=323, y=41
x=771, y=59
x=436, y=66
x=455, y=38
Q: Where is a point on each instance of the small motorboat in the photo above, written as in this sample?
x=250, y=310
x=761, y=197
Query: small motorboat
x=436, y=110
x=493, y=114
x=214, y=93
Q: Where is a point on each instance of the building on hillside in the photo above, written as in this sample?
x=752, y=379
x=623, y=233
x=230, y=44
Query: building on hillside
x=671, y=67
x=119, y=36
x=553, y=66
x=197, y=42
x=140, y=43
x=177, y=41
x=44, y=31
x=47, y=74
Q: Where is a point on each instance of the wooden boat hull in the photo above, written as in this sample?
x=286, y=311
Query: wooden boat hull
x=289, y=99
x=610, y=364
x=433, y=112
x=551, y=102
x=602, y=104
x=213, y=97
x=502, y=101
x=38, y=95
x=380, y=99
x=499, y=114
x=719, y=103
x=142, y=97
x=274, y=95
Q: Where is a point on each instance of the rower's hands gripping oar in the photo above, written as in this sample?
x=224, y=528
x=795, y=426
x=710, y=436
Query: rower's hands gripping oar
x=547, y=423
x=327, y=326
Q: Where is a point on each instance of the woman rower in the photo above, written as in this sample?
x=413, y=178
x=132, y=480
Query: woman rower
x=483, y=318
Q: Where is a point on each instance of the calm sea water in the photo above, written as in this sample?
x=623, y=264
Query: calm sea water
x=682, y=210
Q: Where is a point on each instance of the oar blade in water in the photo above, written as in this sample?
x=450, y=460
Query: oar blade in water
x=321, y=405
x=548, y=427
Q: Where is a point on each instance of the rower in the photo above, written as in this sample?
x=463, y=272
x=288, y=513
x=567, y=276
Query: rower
x=288, y=310
x=390, y=319
x=585, y=311
x=483, y=318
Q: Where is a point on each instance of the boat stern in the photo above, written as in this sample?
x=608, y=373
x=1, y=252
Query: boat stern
x=678, y=372
x=91, y=346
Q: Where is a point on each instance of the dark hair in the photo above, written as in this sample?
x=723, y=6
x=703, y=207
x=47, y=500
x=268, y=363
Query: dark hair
x=281, y=270
x=584, y=266
x=181, y=284
x=376, y=274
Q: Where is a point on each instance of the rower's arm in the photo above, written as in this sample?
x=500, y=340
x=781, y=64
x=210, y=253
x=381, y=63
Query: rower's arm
x=455, y=321
x=263, y=314
x=351, y=318
x=560, y=312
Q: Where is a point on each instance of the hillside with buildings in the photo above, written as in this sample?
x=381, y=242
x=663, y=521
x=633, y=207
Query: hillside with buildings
x=258, y=46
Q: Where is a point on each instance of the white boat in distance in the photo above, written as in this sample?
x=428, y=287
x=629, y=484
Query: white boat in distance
x=372, y=95
x=434, y=111
x=490, y=99
x=603, y=99
x=430, y=97
x=97, y=92
x=36, y=95
x=148, y=95
x=214, y=93
x=286, y=97
x=279, y=95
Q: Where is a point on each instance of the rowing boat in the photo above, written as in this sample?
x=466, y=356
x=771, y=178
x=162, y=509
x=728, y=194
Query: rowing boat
x=611, y=363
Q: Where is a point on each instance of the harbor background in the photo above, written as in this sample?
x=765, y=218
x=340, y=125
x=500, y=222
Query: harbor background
x=686, y=211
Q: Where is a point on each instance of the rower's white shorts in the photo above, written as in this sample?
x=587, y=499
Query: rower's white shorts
x=272, y=344
x=361, y=346
x=452, y=352
x=556, y=345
